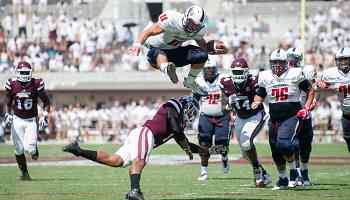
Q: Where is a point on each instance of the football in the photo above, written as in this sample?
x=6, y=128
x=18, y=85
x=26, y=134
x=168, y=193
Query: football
x=215, y=47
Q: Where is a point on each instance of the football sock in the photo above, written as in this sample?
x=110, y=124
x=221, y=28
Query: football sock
x=135, y=181
x=292, y=165
x=204, y=170
x=22, y=163
x=282, y=174
x=347, y=140
x=304, y=166
x=88, y=154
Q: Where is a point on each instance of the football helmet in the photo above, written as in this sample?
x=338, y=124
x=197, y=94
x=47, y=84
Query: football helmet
x=190, y=107
x=193, y=19
x=210, y=70
x=342, y=59
x=23, y=71
x=240, y=72
x=294, y=57
x=278, y=62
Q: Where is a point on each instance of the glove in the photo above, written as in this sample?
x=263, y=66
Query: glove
x=8, y=119
x=303, y=113
x=322, y=84
x=135, y=49
x=44, y=122
x=189, y=153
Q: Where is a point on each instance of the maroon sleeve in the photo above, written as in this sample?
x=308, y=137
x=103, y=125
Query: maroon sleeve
x=8, y=99
x=40, y=85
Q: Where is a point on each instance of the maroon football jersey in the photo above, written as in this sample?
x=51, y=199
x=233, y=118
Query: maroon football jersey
x=160, y=127
x=24, y=98
x=241, y=99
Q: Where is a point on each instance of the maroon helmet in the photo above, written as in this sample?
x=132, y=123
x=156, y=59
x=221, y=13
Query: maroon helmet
x=24, y=71
x=240, y=72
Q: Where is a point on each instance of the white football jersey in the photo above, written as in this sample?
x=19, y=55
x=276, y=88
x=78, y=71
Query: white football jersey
x=174, y=34
x=212, y=104
x=340, y=82
x=310, y=74
x=284, y=88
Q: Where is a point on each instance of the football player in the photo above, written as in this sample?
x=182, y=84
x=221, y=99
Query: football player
x=169, y=122
x=213, y=119
x=164, y=41
x=241, y=89
x=301, y=175
x=282, y=86
x=22, y=95
x=337, y=79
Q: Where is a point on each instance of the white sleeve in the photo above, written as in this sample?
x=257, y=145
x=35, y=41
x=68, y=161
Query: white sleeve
x=261, y=81
x=166, y=20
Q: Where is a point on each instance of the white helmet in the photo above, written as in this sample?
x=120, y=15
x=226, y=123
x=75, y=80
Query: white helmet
x=342, y=59
x=294, y=57
x=193, y=19
x=24, y=71
x=210, y=70
x=278, y=62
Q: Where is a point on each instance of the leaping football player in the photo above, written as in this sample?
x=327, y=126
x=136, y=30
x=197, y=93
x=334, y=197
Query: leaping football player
x=301, y=175
x=169, y=122
x=282, y=86
x=241, y=88
x=22, y=95
x=213, y=119
x=164, y=41
x=337, y=79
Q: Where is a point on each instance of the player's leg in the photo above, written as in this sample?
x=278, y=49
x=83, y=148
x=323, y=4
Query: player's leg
x=305, y=141
x=139, y=156
x=288, y=145
x=280, y=162
x=30, y=139
x=250, y=129
x=205, y=129
x=159, y=60
x=346, y=130
x=17, y=133
x=222, y=140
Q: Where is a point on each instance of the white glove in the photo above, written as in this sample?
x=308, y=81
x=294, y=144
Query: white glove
x=8, y=119
x=43, y=122
x=255, y=104
x=135, y=49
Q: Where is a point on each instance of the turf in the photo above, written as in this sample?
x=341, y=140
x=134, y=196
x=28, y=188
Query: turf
x=164, y=182
x=263, y=149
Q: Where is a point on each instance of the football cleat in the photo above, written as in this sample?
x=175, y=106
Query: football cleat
x=189, y=82
x=203, y=177
x=35, y=156
x=267, y=177
x=305, y=177
x=281, y=184
x=73, y=148
x=261, y=177
x=293, y=178
x=134, y=194
x=25, y=177
x=171, y=72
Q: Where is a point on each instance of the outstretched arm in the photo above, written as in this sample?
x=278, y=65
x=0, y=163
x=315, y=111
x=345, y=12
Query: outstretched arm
x=176, y=127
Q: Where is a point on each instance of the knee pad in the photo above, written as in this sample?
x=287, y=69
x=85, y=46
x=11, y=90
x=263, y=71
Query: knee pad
x=197, y=56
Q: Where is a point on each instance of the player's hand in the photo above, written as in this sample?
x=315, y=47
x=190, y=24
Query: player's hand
x=8, y=119
x=135, y=49
x=303, y=113
x=190, y=155
x=44, y=122
x=322, y=84
x=255, y=105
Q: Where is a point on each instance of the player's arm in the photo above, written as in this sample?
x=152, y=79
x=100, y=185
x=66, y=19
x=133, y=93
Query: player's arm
x=306, y=86
x=259, y=97
x=154, y=29
x=8, y=102
x=175, y=126
x=44, y=96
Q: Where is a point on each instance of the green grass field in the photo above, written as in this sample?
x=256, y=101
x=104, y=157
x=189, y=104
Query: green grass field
x=166, y=182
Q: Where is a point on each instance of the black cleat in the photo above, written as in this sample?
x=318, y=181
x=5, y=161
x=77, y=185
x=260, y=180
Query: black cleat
x=73, y=148
x=25, y=177
x=171, y=72
x=134, y=194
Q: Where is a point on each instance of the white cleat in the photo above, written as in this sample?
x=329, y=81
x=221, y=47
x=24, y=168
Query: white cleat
x=203, y=177
x=292, y=184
